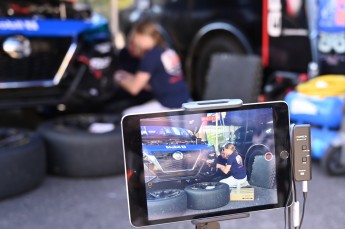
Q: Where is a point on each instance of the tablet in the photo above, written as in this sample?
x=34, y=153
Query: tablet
x=184, y=165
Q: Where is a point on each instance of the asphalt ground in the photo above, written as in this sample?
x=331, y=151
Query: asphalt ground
x=101, y=203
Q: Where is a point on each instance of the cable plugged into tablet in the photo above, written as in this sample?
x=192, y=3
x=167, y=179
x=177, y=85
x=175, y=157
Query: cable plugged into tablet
x=301, y=152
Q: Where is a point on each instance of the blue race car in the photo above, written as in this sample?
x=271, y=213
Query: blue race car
x=54, y=52
x=174, y=153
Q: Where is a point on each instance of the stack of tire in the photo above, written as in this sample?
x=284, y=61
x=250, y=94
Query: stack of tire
x=88, y=145
x=22, y=161
x=84, y=145
x=199, y=196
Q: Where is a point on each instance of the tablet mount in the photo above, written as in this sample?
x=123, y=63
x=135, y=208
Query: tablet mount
x=212, y=104
x=213, y=222
x=300, y=154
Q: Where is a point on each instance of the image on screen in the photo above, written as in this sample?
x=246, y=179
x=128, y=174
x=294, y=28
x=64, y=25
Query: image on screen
x=208, y=162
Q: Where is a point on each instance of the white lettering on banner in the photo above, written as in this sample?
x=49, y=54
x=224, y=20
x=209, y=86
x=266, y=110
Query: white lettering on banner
x=176, y=147
x=29, y=25
x=274, y=18
x=331, y=41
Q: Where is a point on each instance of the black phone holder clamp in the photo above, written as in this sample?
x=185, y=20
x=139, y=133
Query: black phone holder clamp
x=212, y=104
x=213, y=222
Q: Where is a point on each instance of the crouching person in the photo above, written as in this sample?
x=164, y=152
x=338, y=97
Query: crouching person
x=159, y=72
x=234, y=165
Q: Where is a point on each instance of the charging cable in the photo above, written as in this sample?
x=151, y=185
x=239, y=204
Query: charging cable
x=305, y=192
x=297, y=221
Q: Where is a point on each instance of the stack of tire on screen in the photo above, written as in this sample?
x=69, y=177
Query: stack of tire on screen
x=199, y=196
x=71, y=146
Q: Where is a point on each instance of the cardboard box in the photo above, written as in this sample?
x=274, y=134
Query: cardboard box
x=242, y=194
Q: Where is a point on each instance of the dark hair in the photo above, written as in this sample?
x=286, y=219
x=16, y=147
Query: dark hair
x=150, y=28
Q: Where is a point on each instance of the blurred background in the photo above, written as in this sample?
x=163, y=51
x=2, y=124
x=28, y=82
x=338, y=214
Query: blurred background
x=61, y=156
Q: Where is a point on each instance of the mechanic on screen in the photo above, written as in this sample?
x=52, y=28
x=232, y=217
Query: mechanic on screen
x=234, y=164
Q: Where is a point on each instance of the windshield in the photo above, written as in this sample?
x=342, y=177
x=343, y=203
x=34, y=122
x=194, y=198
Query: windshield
x=165, y=131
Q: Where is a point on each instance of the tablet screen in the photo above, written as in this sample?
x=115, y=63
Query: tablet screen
x=206, y=163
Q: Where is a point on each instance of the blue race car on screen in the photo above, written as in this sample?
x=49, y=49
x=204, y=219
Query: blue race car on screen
x=54, y=52
x=174, y=153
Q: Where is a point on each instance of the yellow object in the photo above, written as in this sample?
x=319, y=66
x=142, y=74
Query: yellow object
x=322, y=86
x=124, y=4
x=242, y=194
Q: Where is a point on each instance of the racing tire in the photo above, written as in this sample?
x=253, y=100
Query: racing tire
x=168, y=202
x=227, y=69
x=202, y=60
x=207, y=195
x=263, y=173
x=330, y=162
x=74, y=149
x=252, y=153
x=22, y=161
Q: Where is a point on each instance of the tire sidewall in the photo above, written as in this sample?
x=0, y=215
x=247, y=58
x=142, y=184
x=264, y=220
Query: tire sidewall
x=23, y=167
x=204, y=199
x=79, y=153
x=167, y=207
x=327, y=161
x=220, y=44
x=252, y=152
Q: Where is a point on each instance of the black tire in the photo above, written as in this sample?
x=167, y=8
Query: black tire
x=74, y=151
x=263, y=173
x=201, y=62
x=227, y=69
x=22, y=161
x=252, y=152
x=207, y=195
x=166, y=203
x=330, y=162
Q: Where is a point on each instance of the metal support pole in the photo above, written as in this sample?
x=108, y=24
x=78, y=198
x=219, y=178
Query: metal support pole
x=114, y=19
x=312, y=12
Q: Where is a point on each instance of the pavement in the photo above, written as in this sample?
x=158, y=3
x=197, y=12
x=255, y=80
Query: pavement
x=101, y=203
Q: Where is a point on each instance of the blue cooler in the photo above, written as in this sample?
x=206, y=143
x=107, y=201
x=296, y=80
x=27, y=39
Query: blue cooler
x=320, y=141
x=325, y=112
